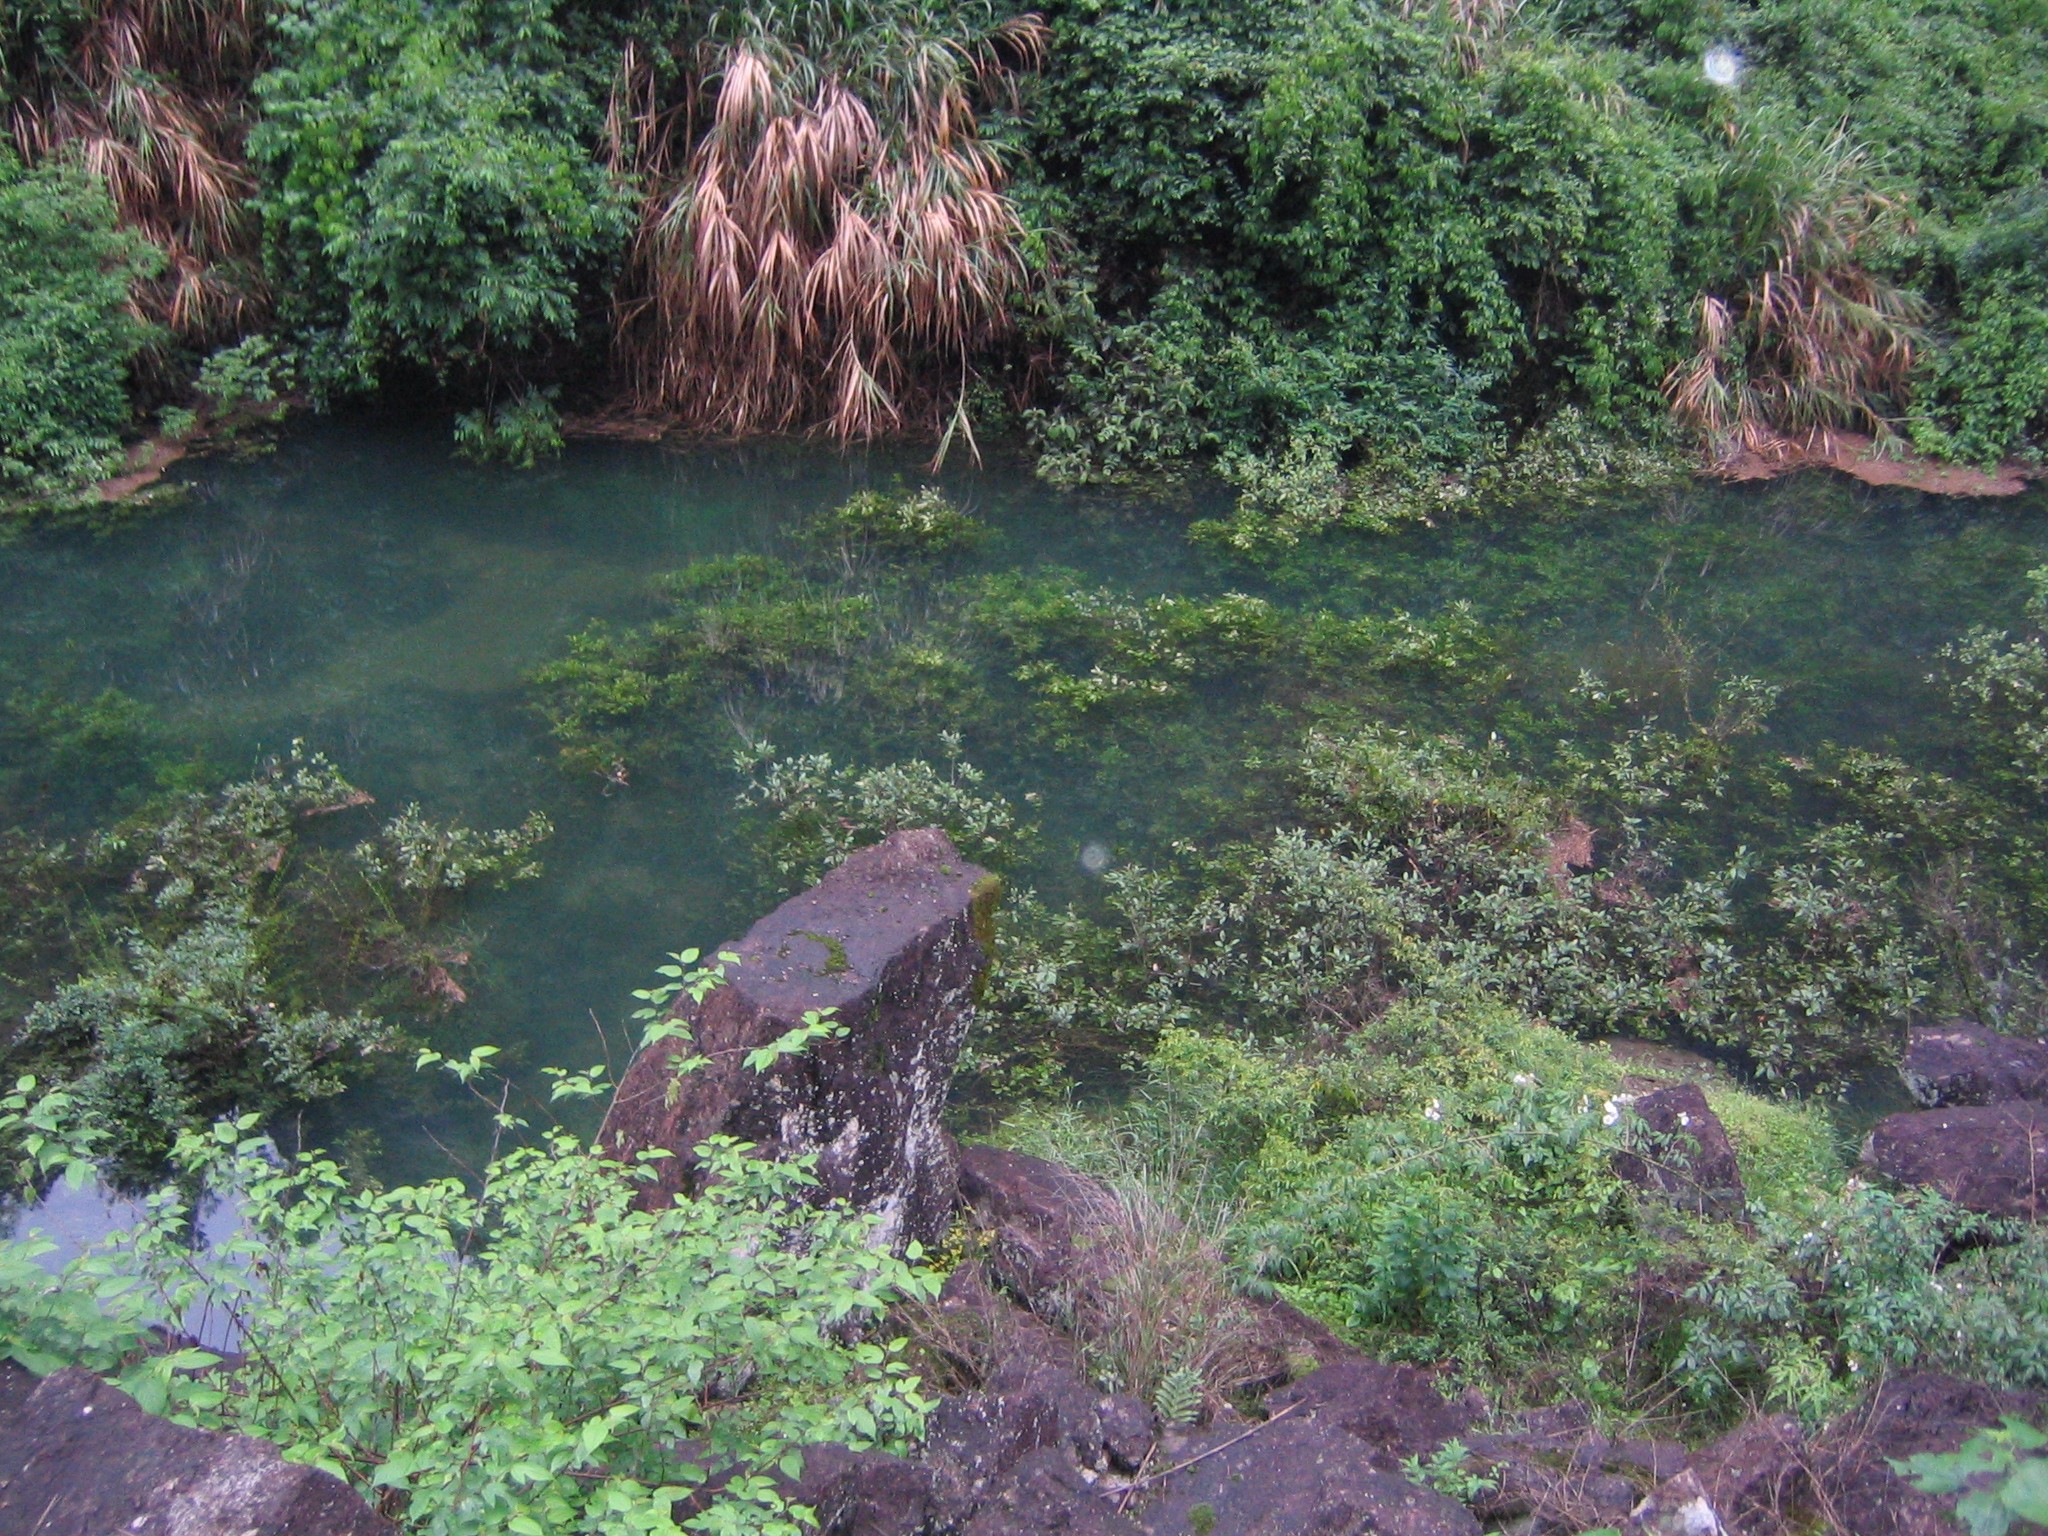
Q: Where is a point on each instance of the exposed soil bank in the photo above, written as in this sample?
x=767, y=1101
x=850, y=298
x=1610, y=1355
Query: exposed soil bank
x=1855, y=455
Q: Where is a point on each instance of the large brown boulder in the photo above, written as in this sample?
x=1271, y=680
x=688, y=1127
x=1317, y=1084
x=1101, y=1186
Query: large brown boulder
x=893, y=942
x=1961, y=1062
x=1990, y=1158
x=80, y=1458
x=1678, y=1149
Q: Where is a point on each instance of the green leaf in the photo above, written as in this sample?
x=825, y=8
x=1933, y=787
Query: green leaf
x=2026, y=1491
x=1984, y=1513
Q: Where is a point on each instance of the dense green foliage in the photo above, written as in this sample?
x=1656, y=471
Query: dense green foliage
x=428, y=185
x=1346, y=250
x=65, y=336
x=1335, y=243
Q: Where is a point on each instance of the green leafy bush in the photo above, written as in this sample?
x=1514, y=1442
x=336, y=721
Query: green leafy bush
x=1860, y=1282
x=428, y=195
x=66, y=335
x=519, y=432
x=530, y=1353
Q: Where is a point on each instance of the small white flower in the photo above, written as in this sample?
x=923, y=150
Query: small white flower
x=1524, y=1080
x=1435, y=1110
x=1611, y=1114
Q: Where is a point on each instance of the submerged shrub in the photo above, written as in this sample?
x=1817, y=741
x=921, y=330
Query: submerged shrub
x=816, y=813
x=171, y=1035
x=519, y=432
x=215, y=957
x=920, y=525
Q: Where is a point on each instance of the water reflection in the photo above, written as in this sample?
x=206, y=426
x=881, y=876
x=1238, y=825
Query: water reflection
x=76, y=1220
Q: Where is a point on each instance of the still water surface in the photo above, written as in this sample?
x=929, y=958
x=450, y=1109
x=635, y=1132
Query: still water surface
x=364, y=591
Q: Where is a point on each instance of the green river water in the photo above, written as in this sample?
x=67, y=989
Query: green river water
x=362, y=590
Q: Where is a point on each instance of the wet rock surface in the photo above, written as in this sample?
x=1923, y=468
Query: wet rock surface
x=1756, y=1476
x=1045, y=1224
x=1294, y=1476
x=1682, y=1152
x=892, y=943
x=864, y=1493
x=1989, y=1158
x=80, y=1458
x=1046, y=1495
x=1963, y=1063
x=973, y=1439
x=1395, y=1411
x=1910, y=1415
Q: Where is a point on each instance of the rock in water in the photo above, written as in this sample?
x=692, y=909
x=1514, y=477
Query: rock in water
x=1961, y=1062
x=893, y=941
x=1991, y=1158
x=79, y=1458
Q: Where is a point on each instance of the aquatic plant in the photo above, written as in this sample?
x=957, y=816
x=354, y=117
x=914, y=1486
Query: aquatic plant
x=816, y=813
x=922, y=526
x=206, y=953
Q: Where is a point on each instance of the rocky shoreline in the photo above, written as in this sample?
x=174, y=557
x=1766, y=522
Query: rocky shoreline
x=1312, y=1438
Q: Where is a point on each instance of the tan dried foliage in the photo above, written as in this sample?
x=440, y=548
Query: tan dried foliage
x=825, y=240
x=1816, y=343
x=150, y=101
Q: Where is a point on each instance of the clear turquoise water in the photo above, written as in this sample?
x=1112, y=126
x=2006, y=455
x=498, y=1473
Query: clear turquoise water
x=361, y=589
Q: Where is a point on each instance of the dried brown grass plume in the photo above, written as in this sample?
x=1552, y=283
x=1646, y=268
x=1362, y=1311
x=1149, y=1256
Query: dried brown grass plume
x=825, y=238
